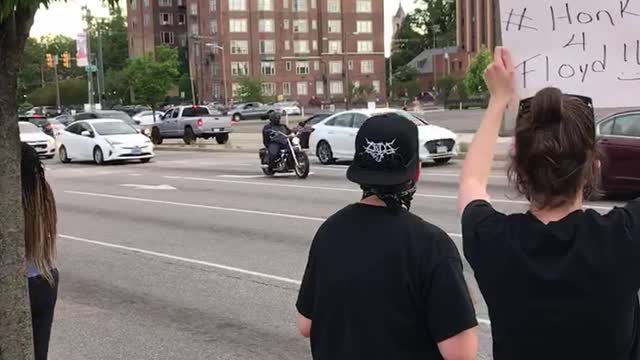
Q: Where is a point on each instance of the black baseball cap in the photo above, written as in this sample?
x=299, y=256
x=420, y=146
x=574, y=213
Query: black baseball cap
x=387, y=151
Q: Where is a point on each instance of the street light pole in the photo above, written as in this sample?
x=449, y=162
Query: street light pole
x=55, y=73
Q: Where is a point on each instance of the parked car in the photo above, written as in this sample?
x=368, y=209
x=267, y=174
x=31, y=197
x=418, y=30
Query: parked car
x=113, y=114
x=146, y=118
x=305, y=128
x=65, y=119
x=44, y=144
x=248, y=111
x=40, y=121
x=619, y=138
x=287, y=108
x=46, y=111
x=103, y=140
x=334, y=137
x=190, y=123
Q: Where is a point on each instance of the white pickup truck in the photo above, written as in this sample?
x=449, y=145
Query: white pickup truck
x=190, y=123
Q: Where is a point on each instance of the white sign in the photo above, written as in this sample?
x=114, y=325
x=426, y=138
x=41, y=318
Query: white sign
x=583, y=47
x=81, y=50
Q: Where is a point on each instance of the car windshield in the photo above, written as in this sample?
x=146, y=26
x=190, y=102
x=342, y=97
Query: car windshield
x=26, y=128
x=416, y=120
x=113, y=128
x=118, y=115
x=317, y=119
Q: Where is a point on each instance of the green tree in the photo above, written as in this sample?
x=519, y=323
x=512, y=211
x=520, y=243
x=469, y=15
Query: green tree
x=16, y=19
x=474, y=79
x=407, y=43
x=436, y=17
x=72, y=92
x=250, y=89
x=57, y=45
x=31, y=67
x=446, y=86
x=152, y=76
x=117, y=87
x=405, y=73
x=115, y=46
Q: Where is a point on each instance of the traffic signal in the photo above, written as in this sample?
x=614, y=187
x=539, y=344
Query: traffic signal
x=49, y=59
x=66, y=61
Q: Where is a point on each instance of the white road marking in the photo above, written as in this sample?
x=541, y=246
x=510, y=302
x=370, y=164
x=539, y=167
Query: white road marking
x=199, y=206
x=425, y=172
x=149, y=187
x=241, y=176
x=135, y=175
x=203, y=263
x=309, y=187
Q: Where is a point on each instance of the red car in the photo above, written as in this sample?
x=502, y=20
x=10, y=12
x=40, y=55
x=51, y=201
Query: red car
x=619, y=138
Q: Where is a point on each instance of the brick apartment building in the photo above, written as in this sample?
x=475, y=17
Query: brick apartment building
x=301, y=49
x=152, y=23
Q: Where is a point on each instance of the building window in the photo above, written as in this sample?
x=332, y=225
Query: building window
x=267, y=46
x=336, y=87
x=314, y=4
x=235, y=90
x=217, y=91
x=145, y=3
x=350, y=64
x=267, y=68
x=376, y=86
x=213, y=24
x=333, y=6
x=335, y=46
x=181, y=19
x=285, y=4
x=237, y=5
x=314, y=45
x=287, y=45
x=314, y=24
x=300, y=26
x=238, y=25
x=165, y=3
x=364, y=27
x=145, y=20
x=285, y=24
x=213, y=5
x=301, y=86
x=301, y=46
x=366, y=66
x=239, y=47
x=265, y=5
x=334, y=26
x=335, y=67
x=288, y=65
x=319, y=88
x=265, y=25
x=365, y=46
x=302, y=67
x=134, y=4
x=299, y=5
x=363, y=6
x=316, y=65
x=194, y=29
x=239, y=68
x=166, y=19
x=193, y=9
x=286, y=88
x=268, y=89
x=167, y=37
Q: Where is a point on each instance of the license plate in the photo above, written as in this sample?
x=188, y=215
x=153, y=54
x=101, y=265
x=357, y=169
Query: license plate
x=216, y=130
x=136, y=151
x=441, y=149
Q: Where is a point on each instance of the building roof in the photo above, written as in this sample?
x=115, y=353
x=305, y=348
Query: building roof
x=424, y=61
x=400, y=13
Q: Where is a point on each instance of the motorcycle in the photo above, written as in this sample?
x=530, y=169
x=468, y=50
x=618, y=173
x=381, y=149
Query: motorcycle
x=293, y=159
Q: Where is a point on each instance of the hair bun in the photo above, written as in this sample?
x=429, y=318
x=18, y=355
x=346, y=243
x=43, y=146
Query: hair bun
x=546, y=107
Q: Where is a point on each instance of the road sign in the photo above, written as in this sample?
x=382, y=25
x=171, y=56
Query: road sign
x=91, y=68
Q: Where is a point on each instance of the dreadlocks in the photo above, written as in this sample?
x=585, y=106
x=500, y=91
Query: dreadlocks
x=40, y=216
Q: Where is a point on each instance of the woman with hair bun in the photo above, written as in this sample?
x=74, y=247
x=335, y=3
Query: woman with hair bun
x=560, y=282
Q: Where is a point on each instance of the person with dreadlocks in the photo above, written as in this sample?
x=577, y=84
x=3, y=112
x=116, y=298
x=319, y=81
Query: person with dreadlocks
x=40, y=230
x=380, y=282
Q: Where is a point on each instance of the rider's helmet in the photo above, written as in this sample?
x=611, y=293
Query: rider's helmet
x=274, y=118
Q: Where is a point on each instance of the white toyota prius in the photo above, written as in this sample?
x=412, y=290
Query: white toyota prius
x=102, y=141
x=334, y=138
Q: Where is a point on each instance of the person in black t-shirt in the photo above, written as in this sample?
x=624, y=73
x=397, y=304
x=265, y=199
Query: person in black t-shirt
x=380, y=282
x=560, y=282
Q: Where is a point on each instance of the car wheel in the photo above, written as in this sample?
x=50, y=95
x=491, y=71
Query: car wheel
x=156, y=137
x=324, y=153
x=237, y=117
x=98, y=156
x=144, y=161
x=62, y=154
x=442, y=161
x=189, y=137
x=222, y=139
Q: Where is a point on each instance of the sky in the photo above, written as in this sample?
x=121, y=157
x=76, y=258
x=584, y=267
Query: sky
x=65, y=17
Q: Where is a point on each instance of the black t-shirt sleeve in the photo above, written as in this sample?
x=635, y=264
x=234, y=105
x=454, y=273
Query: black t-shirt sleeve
x=627, y=247
x=306, y=295
x=480, y=224
x=449, y=307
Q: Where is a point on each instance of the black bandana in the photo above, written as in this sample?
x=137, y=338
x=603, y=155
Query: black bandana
x=393, y=196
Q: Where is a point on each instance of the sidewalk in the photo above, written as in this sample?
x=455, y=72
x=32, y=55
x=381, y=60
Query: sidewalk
x=251, y=143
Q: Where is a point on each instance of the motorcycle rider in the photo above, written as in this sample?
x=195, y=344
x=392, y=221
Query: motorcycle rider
x=272, y=138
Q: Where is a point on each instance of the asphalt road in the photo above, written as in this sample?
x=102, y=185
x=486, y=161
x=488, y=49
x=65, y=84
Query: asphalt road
x=198, y=256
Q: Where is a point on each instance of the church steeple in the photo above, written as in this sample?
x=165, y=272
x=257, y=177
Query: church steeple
x=398, y=18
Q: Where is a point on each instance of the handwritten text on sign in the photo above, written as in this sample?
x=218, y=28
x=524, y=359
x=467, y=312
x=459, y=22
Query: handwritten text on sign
x=584, y=47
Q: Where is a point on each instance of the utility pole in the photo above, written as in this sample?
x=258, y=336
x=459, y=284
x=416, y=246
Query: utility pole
x=87, y=13
x=390, y=74
x=55, y=74
x=101, y=84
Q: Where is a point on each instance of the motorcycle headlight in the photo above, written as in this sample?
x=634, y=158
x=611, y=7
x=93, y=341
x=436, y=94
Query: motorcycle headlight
x=295, y=141
x=147, y=131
